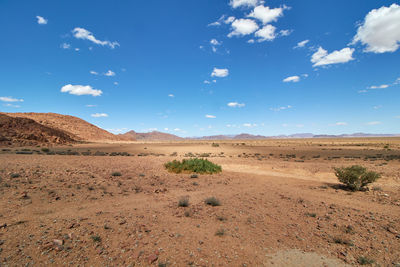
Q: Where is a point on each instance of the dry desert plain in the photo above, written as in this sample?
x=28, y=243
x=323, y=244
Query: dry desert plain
x=281, y=205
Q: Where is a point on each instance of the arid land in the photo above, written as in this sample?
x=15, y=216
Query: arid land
x=281, y=204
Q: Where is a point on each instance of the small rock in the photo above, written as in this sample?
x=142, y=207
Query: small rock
x=152, y=258
x=58, y=242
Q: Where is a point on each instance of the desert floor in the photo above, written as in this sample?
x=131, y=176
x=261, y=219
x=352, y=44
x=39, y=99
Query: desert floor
x=281, y=205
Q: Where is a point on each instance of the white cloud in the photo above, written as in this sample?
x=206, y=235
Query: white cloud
x=285, y=32
x=91, y=106
x=243, y=27
x=267, y=33
x=41, y=20
x=377, y=107
x=94, y=72
x=210, y=116
x=99, y=115
x=171, y=95
x=81, y=33
x=10, y=99
x=206, y=82
x=221, y=20
x=11, y=105
x=77, y=49
x=380, y=31
x=65, y=46
x=246, y=3
x=116, y=83
x=229, y=20
x=266, y=14
x=235, y=105
x=281, y=108
x=249, y=125
x=383, y=86
x=340, y=123
x=321, y=57
x=109, y=73
x=251, y=41
x=80, y=90
x=215, y=42
x=220, y=73
x=302, y=44
x=293, y=79
x=373, y=123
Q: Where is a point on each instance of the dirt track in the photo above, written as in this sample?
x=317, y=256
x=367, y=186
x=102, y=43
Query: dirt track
x=276, y=209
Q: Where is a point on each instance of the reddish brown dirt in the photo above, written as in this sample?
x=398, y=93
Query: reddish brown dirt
x=274, y=210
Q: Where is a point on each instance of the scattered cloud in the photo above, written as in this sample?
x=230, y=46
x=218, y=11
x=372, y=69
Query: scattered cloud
x=109, y=73
x=220, y=73
x=251, y=41
x=241, y=27
x=383, y=86
x=322, y=57
x=266, y=14
x=302, y=44
x=245, y=3
x=373, y=123
x=99, y=115
x=81, y=33
x=281, y=108
x=215, y=42
x=377, y=107
x=10, y=99
x=235, y=105
x=116, y=83
x=94, y=72
x=91, y=106
x=250, y=125
x=171, y=95
x=65, y=46
x=341, y=123
x=11, y=105
x=285, y=32
x=41, y=20
x=222, y=19
x=293, y=79
x=210, y=116
x=380, y=30
x=266, y=33
x=80, y=90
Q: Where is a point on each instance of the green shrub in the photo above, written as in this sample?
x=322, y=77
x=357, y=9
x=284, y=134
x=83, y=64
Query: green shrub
x=45, y=150
x=365, y=261
x=15, y=175
x=193, y=165
x=116, y=174
x=212, y=201
x=215, y=145
x=96, y=238
x=356, y=177
x=183, y=202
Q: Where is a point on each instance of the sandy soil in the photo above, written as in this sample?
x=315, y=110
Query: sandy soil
x=276, y=209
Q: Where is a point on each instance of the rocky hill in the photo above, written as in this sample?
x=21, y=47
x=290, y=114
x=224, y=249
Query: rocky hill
x=24, y=131
x=76, y=128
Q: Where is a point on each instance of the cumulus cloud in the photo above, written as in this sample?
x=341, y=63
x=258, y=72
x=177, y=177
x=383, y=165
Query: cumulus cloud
x=235, y=105
x=266, y=14
x=94, y=72
x=41, y=20
x=222, y=19
x=281, y=108
x=383, y=86
x=302, y=44
x=267, y=33
x=210, y=116
x=109, y=73
x=293, y=79
x=215, y=42
x=99, y=115
x=245, y=3
x=80, y=90
x=285, y=32
x=220, y=73
x=81, y=33
x=171, y=95
x=322, y=57
x=10, y=99
x=380, y=30
x=241, y=27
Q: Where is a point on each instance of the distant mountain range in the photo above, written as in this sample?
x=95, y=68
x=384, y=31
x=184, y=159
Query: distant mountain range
x=51, y=128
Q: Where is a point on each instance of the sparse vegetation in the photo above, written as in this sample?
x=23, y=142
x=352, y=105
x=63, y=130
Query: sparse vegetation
x=116, y=174
x=15, y=175
x=339, y=240
x=96, y=238
x=215, y=145
x=194, y=176
x=212, y=201
x=45, y=150
x=311, y=214
x=193, y=165
x=183, y=202
x=365, y=260
x=220, y=232
x=356, y=177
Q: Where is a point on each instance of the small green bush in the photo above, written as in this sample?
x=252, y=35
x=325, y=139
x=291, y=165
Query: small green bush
x=193, y=165
x=183, y=202
x=116, y=174
x=356, y=177
x=96, y=238
x=365, y=261
x=215, y=145
x=45, y=150
x=15, y=175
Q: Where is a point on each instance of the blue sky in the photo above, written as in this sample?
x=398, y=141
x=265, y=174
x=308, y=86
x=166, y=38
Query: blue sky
x=205, y=67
